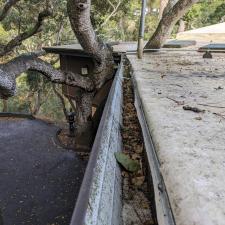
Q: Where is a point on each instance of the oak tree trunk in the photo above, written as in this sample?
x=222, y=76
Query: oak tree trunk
x=166, y=24
x=79, y=15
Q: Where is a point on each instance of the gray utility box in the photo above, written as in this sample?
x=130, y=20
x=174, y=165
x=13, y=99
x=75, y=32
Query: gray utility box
x=77, y=64
x=74, y=59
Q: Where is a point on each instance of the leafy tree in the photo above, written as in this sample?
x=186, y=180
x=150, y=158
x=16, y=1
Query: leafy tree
x=205, y=13
x=218, y=15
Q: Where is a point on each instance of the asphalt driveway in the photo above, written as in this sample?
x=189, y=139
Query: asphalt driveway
x=39, y=181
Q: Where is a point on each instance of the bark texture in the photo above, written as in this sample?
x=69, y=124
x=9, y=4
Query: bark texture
x=11, y=70
x=166, y=24
x=79, y=15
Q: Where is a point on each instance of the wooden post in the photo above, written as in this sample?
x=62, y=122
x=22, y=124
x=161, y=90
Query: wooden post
x=141, y=30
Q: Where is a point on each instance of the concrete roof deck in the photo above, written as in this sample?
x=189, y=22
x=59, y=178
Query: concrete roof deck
x=190, y=146
x=212, y=33
x=118, y=47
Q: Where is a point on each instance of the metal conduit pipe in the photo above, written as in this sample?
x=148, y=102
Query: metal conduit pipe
x=141, y=30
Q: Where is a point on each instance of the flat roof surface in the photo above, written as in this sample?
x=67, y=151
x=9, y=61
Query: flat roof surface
x=77, y=49
x=213, y=29
x=39, y=180
x=212, y=33
x=179, y=43
x=119, y=47
x=190, y=146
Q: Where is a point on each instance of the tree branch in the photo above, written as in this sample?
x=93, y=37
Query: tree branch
x=115, y=8
x=169, y=6
x=167, y=23
x=11, y=70
x=9, y=4
x=79, y=15
x=27, y=34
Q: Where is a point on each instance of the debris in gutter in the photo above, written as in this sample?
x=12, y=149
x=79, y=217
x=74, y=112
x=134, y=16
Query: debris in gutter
x=137, y=190
x=128, y=163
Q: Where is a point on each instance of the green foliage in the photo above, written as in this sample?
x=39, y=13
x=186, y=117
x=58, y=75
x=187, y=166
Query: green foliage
x=124, y=24
x=4, y=36
x=218, y=15
x=23, y=16
x=120, y=26
x=33, y=80
x=21, y=102
x=205, y=13
x=128, y=163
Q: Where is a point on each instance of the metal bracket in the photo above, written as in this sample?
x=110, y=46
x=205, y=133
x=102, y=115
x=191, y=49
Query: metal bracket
x=207, y=55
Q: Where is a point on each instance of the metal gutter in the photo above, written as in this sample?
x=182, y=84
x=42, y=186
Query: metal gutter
x=99, y=200
x=163, y=208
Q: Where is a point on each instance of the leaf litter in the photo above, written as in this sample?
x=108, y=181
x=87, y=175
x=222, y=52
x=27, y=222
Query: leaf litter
x=138, y=203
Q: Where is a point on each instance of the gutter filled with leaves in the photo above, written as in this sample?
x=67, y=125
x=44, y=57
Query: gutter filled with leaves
x=138, y=193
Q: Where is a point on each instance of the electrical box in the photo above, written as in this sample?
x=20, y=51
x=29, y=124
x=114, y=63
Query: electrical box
x=74, y=59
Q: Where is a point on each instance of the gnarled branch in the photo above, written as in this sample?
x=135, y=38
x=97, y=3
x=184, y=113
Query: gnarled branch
x=9, y=4
x=11, y=70
x=25, y=35
x=79, y=15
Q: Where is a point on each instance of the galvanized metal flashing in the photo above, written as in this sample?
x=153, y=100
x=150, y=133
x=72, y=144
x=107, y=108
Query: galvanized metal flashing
x=99, y=201
x=163, y=208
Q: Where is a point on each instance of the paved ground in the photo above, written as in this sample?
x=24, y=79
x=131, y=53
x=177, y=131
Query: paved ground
x=190, y=145
x=39, y=181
